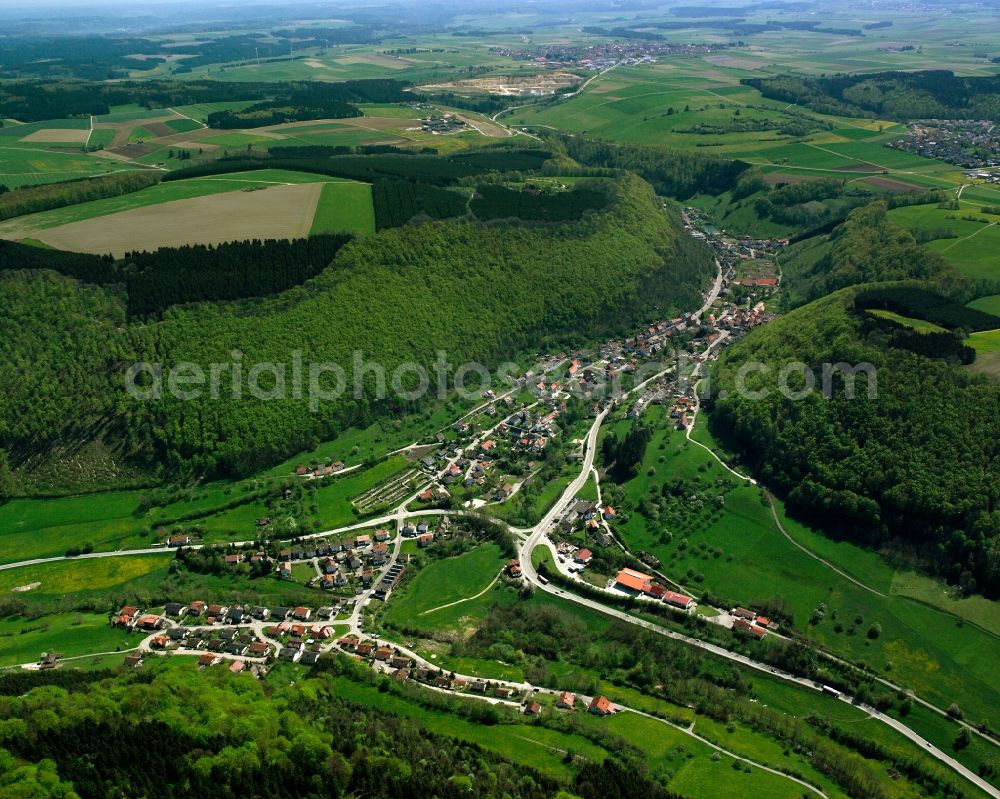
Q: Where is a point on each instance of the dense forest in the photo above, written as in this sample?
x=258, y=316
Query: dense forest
x=32, y=199
x=297, y=102
x=479, y=292
x=671, y=172
x=196, y=273
x=929, y=94
x=32, y=101
x=914, y=468
x=396, y=202
x=530, y=204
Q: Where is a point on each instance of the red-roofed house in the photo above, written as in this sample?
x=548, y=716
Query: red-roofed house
x=678, y=600
x=600, y=706
x=583, y=556
x=566, y=700
x=609, y=513
x=631, y=580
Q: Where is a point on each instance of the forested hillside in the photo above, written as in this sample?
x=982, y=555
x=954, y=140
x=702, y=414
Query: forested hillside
x=915, y=468
x=937, y=94
x=478, y=291
x=866, y=248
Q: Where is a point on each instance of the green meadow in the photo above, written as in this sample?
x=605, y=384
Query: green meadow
x=441, y=582
x=973, y=241
x=736, y=551
x=344, y=206
x=71, y=635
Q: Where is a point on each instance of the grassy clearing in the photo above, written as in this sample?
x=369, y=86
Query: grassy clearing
x=442, y=582
x=334, y=501
x=344, y=207
x=989, y=304
x=985, y=342
x=70, y=634
x=920, y=325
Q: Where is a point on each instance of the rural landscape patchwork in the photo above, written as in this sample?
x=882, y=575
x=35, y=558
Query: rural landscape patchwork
x=591, y=399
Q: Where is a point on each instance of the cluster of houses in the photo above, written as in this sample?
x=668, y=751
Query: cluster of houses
x=635, y=583
x=968, y=143
x=749, y=622
x=313, y=472
x=447, y=123
x=587, y=515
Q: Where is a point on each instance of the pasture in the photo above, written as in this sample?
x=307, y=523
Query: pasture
x=71, y=635
x=738, y=552
x=973, y=237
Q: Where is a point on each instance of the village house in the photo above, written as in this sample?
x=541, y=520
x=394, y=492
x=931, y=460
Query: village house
x=583, y=556
x=178, y=540
x=258, y=649
x=425, y=540
x=149, y=622
x=196, y=608
x=600, y=706
x=301, y=613
x=236, y=666
x=174, y=610
x=133, y=661
x=681, y=601
x=566, y=700
x=532, y=708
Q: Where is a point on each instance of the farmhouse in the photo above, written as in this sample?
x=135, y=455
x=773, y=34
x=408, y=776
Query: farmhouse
x=566, y=700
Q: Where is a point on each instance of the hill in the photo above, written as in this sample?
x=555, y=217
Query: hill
x=927, y=94
x=866, y=248
x=478, y=291
x=912, y=468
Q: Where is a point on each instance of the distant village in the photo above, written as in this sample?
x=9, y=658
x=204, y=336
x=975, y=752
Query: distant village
x=602, y=56
x=973, y=144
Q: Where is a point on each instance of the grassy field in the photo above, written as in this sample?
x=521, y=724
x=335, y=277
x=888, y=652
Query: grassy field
x=344, y=206
x=442, y=582
x=22, y=165
x=71, y=634
x=989, y=304
x=974, y=242
x=334, y=501
x=920, y=325
x=737, y=552
x=80, y=576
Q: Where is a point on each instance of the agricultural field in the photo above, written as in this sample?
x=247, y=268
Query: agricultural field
x=277, y=212
x=968, y=239
x=204, y=210
x=344, y=206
